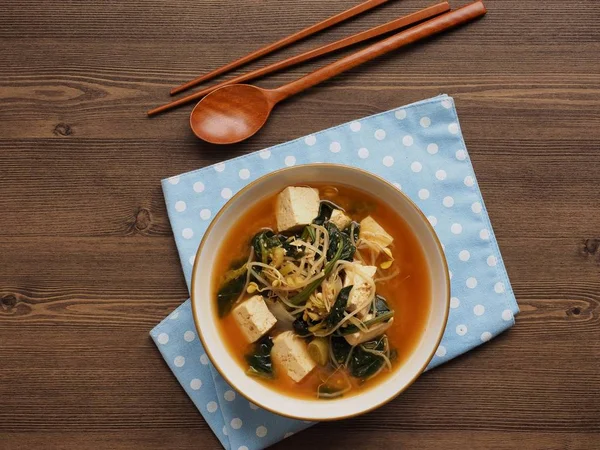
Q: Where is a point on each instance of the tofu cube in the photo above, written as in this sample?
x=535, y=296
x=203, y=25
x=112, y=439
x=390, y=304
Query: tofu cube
x=371, y=231
x=360, y=296
x=254, y=318
x=339, y=219
x=363, y=336
x=290, y=352
x=296, y=207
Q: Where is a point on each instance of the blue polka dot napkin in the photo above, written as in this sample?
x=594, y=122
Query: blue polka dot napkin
x=420, y=149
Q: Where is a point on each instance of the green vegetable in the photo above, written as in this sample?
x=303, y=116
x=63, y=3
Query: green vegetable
x=337, y=310
x=308, y=234
x=338, y=240
x=301, y=327
x=325, y=209
x=259, y=360
x=340, y=349
x=263, y=242
x=343, y=331
x=340, y=247
x=361, y=364
x=381, y=306
x=266, y=242
x=231, y=289
x=302, y=296
x=292, y=250
x=364, y=364
x=383, y=313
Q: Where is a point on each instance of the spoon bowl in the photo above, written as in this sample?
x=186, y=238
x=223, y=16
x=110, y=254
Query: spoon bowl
x=231, y=114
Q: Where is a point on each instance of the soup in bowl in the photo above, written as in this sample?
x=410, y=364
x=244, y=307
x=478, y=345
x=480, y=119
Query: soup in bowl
x=320, y=292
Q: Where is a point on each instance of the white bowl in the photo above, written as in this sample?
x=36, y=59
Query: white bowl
x=204, y=305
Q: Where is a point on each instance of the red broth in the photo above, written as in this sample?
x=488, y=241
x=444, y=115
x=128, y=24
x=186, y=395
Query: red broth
x=408, y=293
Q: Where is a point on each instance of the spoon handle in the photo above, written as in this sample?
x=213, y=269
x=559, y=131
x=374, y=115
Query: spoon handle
x=429, y=28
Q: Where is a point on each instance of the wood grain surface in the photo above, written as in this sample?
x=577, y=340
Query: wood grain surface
x=88, y=264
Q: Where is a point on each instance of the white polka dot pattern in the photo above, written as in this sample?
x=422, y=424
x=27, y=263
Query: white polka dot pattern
x=180, y=206
x=418, y=148
x=198, y=186
x=189, y=336
x=179, y=361
x=432, y=149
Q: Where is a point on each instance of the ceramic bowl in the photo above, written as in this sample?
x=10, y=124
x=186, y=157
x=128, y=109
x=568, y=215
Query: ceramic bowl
x=204, y=305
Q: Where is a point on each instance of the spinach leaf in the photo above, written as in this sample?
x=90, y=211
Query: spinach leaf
x=364, y=364
x=340, y=349
x=291, y=250
x=338, y=308
x=259, y=360
x=338, y=240
x=325, y=209
x=301, y=327
x=263, y=242
x=232, y=287
x=381, y=306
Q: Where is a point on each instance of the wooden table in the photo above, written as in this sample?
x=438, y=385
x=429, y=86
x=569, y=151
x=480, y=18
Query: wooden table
x=88, y=264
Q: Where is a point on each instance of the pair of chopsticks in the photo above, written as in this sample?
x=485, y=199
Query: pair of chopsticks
x=396, y=24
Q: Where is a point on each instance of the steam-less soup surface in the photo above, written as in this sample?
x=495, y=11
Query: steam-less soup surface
x=322, y=291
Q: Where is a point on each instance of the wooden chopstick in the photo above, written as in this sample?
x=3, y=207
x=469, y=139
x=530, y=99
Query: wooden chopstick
x=402, y=22
x=354, y=11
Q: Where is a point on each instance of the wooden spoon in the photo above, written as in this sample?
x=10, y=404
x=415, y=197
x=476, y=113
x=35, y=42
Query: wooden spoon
x=236, y=112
